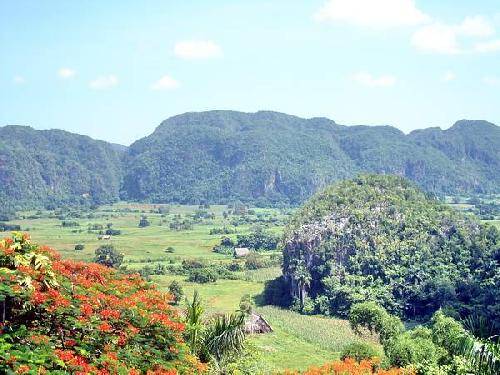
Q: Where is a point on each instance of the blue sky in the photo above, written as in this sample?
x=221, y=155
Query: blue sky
x=115, y=69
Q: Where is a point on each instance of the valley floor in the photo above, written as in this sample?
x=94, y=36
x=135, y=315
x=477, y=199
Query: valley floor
x=297, y=341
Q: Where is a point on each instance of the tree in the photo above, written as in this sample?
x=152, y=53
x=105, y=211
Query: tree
x=144, y=222
x=246, y=304
x=108, y=256
x=176, y=291
x=194, y=322
x=224, y=339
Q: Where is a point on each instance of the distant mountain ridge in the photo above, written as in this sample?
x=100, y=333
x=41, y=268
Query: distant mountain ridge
x=220, y=156
x=272, y=157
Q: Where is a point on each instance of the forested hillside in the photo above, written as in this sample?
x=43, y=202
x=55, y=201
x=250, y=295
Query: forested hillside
x=223, y=156
x=271, y=157
x=379, y=238
x=54, y=167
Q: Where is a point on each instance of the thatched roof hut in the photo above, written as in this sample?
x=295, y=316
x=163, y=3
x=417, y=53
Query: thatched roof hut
x=255, y=323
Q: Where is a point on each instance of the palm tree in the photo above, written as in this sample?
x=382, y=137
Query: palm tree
x=482, y=349
x=303, y=278
x=194, y=323
x=223, y=339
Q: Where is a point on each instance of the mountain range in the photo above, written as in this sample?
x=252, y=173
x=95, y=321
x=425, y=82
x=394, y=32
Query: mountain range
x=222, y=156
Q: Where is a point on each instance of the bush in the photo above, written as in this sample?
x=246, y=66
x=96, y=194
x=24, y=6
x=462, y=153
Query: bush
x=276, y=293
x=108, y=256
x=170, y=250
x=175, y=289
x=359, y=351
x=113, y=232
x=235, y=267
x=258, y=240
x=4, y=227
x=144, y=222
x=84, y=318
x=375, y=318
x=202, y=276
x=79, y=246
x=254, y=261
x=413, y=347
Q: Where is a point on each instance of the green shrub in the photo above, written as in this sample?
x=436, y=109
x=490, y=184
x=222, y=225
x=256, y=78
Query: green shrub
x=254, y=261
x=375, y=318
x=108, y=256
x=79, y=246
x=202, y=275
x=413, y=348
x=144, y=222
x=175, y=289
x=359, y=351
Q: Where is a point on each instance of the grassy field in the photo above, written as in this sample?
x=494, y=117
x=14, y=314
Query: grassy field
x=297, y=341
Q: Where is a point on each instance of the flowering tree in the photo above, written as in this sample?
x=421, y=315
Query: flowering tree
x=60, y=316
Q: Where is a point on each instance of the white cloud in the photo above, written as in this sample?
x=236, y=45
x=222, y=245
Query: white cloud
x=489, y=46
x=66, y=73
x=19, y=80
x=446, y=39
x=475, y=26
x=197, y=49
x=437, y=38
x=104, y=82
x=449, y=76
x=366, y=79
x=380, y=14
x=492, y=81
x=165, y=83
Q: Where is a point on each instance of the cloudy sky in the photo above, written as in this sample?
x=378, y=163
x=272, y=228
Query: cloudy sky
x=115, y=69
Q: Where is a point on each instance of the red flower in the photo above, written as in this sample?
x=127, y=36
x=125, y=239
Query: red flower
x=105, y=327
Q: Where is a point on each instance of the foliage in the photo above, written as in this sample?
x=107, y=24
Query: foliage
x=379, y=238
x=202, y=275
x=436, y=349
x=144, y=222
x=349, y=366
x=223, y=337
x=108, y=256
x=224, y=156
x=175, y=289
x=64, y=169
x=254, y=261
x=360, y=350
x=194, y=323
x=246, y=304
x=375, y=318
x=73, y=317
x=258, y=240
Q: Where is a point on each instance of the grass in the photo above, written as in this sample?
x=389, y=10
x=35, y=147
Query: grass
x=300, y=341
x=221, y=296
x=139, y=243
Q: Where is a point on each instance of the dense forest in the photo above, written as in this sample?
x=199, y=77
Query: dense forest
x=222, y=156
x=53, y=167
x=380, y=238
x=272, y=157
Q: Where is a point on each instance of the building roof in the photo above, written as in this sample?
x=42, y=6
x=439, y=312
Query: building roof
x=241, y=251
